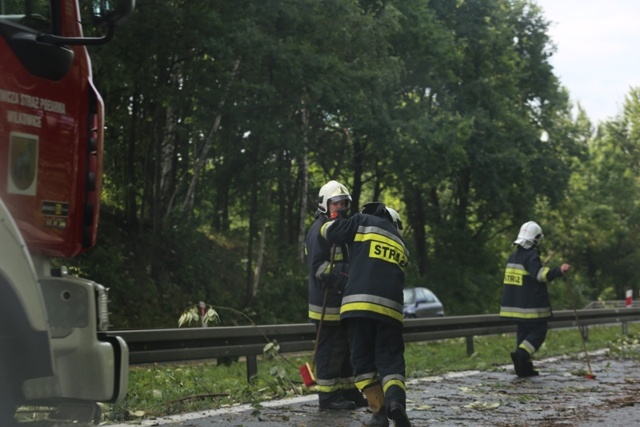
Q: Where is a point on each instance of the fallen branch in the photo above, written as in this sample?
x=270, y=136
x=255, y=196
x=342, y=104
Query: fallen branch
x=199, y=397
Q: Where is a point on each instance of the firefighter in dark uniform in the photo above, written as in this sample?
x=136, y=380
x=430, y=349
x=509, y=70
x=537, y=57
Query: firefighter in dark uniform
x=372, y=307
x=525, y=298
x=334, y=374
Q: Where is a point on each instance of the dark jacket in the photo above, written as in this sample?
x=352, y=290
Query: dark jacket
x=377, y=260
x=525, y=296
x=318, y=252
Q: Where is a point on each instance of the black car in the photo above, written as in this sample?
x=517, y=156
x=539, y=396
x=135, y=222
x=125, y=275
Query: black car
x=421, y=302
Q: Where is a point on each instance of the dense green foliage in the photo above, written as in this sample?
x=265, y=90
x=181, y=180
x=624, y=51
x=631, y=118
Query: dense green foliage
x=225, y=118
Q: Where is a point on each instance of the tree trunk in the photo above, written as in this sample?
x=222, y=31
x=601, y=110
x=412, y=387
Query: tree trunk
x=358, y=171
x=304, y=191
x=130, y=204
x=260, y=252
x=201, y=159
x=416, y=217
x=253, y=217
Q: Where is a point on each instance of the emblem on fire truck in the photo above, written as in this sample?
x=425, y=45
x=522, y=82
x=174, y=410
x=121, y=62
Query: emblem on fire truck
x=23, y=163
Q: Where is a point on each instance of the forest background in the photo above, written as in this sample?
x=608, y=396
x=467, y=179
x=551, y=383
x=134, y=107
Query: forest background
x=224, y=118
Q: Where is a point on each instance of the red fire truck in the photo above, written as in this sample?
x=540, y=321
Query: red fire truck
x=55, y=349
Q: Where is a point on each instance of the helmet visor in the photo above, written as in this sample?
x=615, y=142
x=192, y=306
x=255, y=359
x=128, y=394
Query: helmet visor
x=336, y=199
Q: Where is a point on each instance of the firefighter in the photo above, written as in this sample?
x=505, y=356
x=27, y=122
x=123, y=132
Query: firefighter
x=372, y=308
x=525, y=298
x=328, y=269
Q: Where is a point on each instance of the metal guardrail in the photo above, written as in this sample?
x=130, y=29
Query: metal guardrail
x=171, y=345
x=612, y=304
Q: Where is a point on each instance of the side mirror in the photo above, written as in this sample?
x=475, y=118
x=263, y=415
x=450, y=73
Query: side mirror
x=102, y=12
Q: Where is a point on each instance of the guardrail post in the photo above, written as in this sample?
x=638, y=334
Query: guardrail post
x=469, y=345
x=624, y=328
x=584, y=330
x=252, y=367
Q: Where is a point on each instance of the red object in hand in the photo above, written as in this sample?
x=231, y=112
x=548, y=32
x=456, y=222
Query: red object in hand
x=339, y=213
x=307, y=375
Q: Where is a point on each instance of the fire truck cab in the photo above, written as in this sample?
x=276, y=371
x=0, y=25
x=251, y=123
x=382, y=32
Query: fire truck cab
x=55, y=349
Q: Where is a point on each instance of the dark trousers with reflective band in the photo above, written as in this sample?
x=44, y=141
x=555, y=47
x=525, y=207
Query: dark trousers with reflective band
x=333, y=367
x=531, y=335
x=377, y=347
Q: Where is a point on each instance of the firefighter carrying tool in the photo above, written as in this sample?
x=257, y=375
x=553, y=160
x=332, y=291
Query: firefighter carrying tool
x=327, y=270
x=525, y=298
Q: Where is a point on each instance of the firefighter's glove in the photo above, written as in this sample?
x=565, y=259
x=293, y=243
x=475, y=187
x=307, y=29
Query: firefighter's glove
x=336, y=279
x=340, y=213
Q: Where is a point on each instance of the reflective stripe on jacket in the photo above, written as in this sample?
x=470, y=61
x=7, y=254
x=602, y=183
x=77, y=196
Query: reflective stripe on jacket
x=525, y=295
x=318, y=252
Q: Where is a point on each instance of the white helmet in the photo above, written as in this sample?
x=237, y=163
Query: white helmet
x=395, y=218
x=333, y=191
x=530, y=235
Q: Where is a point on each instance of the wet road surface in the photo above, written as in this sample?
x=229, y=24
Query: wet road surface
x=560, y=396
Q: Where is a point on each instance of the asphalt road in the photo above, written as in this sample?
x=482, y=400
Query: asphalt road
x=560, y=396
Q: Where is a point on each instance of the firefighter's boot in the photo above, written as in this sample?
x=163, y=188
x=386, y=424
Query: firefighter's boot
x=398, y=414
x=336, y=403
x=517, y=365
x=526, y=365
x=356, y=396
x=528, y=370
x=375, y=397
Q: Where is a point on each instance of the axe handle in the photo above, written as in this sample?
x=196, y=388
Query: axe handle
x=324, y=308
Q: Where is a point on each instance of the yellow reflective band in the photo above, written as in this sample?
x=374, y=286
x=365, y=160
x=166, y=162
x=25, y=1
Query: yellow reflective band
x=542, y=274
x=364, y=306
x=329, y=317
x=518, y=315
x=323, y=229
x=363, y=237
x=526, y=346
x=365, y=383
x=394, y=382
x=520, y=271
x=328, y=388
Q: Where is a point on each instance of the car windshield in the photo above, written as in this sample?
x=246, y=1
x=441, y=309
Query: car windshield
x=409, y=296
x=425, y=295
